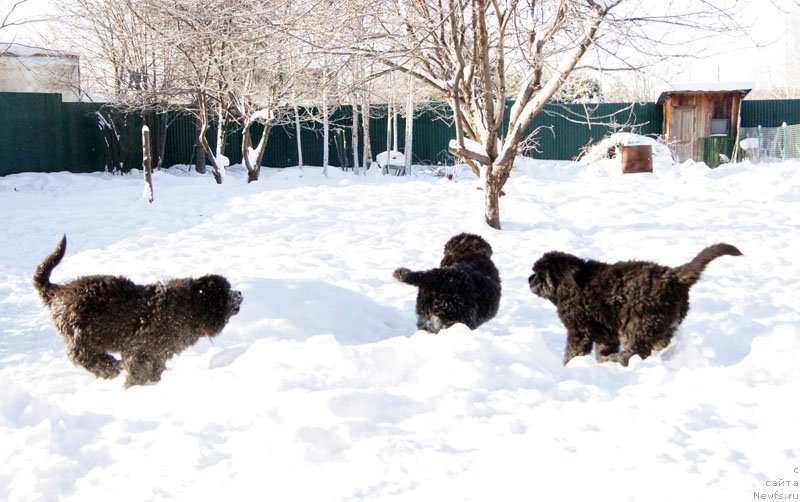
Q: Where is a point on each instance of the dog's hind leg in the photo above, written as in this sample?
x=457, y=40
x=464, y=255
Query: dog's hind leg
x=431, y=323
x=142, y=369
x=100, y=364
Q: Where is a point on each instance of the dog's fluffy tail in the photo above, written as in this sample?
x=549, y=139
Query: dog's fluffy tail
x=690, y=272
x=41, y=278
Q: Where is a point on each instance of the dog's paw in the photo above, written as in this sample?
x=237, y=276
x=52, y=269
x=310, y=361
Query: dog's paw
x=401, y=273
x=106, y=366
x=617, y=357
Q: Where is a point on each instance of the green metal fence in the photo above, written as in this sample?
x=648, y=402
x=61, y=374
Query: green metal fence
x=566, y=129
x=770, y=112
x=39, y=132
x=30, y=138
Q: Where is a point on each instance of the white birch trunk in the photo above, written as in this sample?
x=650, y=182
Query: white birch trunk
x=365, y=120
x=220, y=133
x=395, y=145
x=409, y=149
x=389, y=111
x=297, y=133
x=325, y=132
x=354, y=135
x=385, y=169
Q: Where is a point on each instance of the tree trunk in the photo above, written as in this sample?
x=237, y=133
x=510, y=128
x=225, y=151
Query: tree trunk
x=354, y=135
x=161, y=139
x=385, y=167
x=297, y=133
x=222, y=125
x=262, y=144
x=325, y=133
x=202, y=143
x=365, y=113
x=214, y=169
x=409, y=146
x=113, y=151
x=157, y=125
x=492, y=187
x=201, y=140
x=199, y=151
x=253, y=171
x=395, y=144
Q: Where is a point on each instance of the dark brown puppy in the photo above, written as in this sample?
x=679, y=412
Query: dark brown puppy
x=464, y=289
x=100, y=314
x=626, y=308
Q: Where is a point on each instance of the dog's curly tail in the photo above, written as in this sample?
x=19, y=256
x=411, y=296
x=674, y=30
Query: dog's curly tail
x=690, y=272
x=41, y=278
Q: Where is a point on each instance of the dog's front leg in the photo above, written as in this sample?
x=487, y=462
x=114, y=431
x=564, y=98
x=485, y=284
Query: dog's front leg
x=579, y=343
x=411, y=277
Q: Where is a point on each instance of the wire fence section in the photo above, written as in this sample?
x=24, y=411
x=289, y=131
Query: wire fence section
x=770, y=144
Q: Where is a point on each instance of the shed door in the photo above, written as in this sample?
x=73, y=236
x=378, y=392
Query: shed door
x=681, y=132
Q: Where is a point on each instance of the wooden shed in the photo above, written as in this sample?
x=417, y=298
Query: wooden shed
x=701, y=120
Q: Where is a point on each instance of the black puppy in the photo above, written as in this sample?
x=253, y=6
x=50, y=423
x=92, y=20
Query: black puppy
x=635, y=304
x=100, y=314
x=464, y=289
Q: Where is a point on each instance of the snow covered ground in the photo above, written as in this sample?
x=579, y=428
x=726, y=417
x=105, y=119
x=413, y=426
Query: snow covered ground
x=321, y=390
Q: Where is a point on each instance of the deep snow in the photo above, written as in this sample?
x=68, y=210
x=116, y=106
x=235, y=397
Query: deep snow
x=321, y=390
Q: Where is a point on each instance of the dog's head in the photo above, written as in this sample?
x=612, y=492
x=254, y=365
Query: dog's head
x=214, y=302
x=551, y=271
x=463, y=247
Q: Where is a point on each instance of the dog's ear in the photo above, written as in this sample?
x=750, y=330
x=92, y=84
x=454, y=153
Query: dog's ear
x=567, y=267
x=210, y=299
x=552, y=271
x=463, y=246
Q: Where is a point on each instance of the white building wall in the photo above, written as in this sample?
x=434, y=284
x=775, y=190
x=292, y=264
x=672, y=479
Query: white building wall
x=27, y=69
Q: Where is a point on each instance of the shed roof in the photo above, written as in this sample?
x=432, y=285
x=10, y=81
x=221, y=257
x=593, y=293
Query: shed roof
x=702, y=87
x=19, y=50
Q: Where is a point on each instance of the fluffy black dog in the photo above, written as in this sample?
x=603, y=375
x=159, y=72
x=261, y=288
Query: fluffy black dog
x=465, y=288
x=100, y=314
x=636, y=304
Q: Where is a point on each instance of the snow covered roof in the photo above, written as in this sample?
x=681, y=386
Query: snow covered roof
x=19, y=50
x=695, y=87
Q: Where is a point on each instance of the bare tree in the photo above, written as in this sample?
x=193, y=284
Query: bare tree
x=479, y=53
x=125, y=60
x=636, y=86
x=201, y=36
x=264, y=88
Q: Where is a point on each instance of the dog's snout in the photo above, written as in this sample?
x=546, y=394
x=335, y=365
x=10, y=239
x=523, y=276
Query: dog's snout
x=236, y=301
x=531, y=278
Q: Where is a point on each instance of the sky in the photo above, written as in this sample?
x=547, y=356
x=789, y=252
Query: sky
x=759, y=57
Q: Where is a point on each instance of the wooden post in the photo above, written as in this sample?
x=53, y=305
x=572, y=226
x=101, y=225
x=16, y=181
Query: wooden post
x=147, y=165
